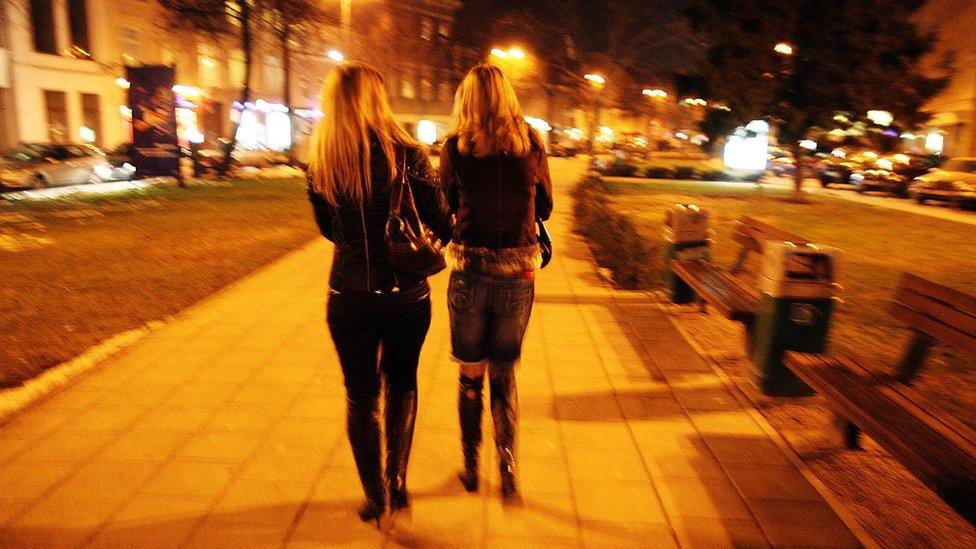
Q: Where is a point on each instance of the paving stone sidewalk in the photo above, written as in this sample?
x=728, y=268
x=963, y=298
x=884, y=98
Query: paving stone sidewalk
x=226, y=429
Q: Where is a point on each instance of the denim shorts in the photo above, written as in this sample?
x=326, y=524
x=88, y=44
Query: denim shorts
x=488, y=316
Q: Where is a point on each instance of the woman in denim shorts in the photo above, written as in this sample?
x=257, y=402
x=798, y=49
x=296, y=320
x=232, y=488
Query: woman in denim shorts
x=496, y=177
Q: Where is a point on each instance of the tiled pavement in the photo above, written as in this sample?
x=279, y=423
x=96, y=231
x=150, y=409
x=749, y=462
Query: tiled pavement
x=225, y=429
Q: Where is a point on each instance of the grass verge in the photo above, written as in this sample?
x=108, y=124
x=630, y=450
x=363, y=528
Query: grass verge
x=77, y=271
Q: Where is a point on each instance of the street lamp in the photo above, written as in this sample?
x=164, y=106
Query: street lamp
x=510, y=53
x=336, y=56
x=783, y=48
x=596, y=80
x=655, y=93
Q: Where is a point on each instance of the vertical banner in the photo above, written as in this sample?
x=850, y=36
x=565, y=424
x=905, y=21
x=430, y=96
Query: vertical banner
x=153, y=103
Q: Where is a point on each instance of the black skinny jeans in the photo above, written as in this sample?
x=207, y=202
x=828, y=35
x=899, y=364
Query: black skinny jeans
x=378, y=337
x=361, y=323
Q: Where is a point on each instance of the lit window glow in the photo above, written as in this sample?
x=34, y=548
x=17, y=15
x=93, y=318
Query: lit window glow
x=809, y=144
x=426, y=132
x=538, y=123
x=934, y=142
x=336, y=56
x=86, y=134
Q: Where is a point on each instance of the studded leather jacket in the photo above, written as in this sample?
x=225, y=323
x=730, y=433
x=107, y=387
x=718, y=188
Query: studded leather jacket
x=359, y=262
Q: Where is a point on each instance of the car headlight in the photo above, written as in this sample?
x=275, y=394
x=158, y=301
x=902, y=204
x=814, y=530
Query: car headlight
x=103, y=172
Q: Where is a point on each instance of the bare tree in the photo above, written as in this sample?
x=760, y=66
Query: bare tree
x=294, y=22
x=219, y=19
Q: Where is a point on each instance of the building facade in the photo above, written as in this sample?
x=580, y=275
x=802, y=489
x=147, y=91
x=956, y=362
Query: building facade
x=953, y=110
x=62, y=68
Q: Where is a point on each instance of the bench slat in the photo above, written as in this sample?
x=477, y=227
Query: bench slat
x=725, y=292
x=937, y=310
x=934, y=328
x=764, y=231
x=954, y=298
x=943, y=456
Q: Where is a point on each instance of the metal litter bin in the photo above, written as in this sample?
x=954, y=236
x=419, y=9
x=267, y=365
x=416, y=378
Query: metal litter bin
x=798, y=289
x=687, y=237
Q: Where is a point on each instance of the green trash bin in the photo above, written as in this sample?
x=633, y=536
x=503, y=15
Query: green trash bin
x=798, y=294
x=686, y=236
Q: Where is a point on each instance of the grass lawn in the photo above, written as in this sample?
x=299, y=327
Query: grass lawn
x=76, y=271
x=877, y=245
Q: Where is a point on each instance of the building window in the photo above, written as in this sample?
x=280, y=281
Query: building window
x=56, y=106
x=235, y=67
x=130, y=46
x=207, y=65
x=273, y=73
x=407, y=90
x=426, y=89
x=166, y=57
x=42, y=26
x=91, y=114
x=426, y=29
x=444, y=30
x=78, y=19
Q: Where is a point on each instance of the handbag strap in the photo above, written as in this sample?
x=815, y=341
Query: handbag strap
x=399, y=182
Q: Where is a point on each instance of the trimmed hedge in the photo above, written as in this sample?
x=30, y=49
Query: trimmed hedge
x=615, y=241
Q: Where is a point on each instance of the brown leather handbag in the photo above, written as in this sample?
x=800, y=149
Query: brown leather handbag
x=410, y=245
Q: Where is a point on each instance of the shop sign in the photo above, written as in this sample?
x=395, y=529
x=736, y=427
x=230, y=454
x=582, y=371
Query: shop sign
x=153, y=103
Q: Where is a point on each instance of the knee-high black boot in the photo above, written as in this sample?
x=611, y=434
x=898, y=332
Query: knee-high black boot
x=401, y=415
x=363, y=427
x=504, y=414
x=470, y=406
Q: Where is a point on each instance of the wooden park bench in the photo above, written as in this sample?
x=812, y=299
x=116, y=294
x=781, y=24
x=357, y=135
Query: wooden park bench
x=721, y=288
x=937, y=448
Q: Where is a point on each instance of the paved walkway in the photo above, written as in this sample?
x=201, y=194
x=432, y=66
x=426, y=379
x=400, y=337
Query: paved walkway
x=226, y=429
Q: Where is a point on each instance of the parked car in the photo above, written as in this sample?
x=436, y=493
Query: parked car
x=954, y=182
x=211, y=156
x=37, y=165
x=120, y=162
x=567, y=150
x=833, y=169
x=781, y=165
x=892, y=173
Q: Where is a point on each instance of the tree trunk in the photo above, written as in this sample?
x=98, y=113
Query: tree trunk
x=246, y=46
x=286, y=67
x=798, y=166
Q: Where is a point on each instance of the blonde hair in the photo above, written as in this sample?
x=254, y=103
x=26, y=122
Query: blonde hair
x=487, y=116
x=355, y=106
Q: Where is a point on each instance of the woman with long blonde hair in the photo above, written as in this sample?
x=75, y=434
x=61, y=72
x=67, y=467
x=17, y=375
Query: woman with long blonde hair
x=378, y=317
x=496, y=177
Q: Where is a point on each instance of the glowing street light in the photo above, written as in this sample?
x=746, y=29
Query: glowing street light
x=595, y=79
x=654, y=93
x=783, y=48
x=336, y=56
x=510, y=53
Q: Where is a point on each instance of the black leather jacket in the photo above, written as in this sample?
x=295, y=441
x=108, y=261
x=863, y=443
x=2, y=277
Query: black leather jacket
x=359, y=262
x=497, y=198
